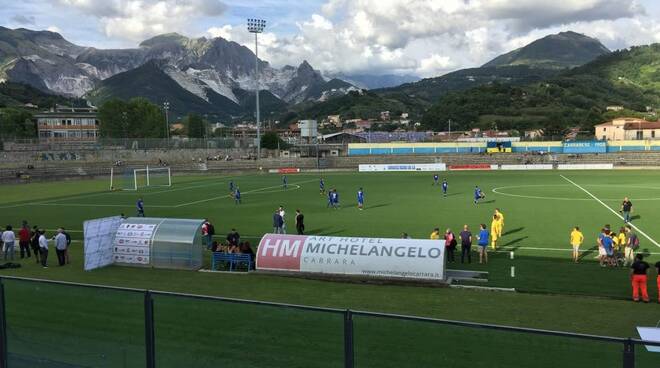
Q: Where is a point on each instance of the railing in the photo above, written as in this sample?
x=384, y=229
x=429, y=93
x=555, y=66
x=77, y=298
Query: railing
x=58, y=324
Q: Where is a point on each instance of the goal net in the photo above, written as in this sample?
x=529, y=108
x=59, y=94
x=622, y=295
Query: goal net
x=135, y=178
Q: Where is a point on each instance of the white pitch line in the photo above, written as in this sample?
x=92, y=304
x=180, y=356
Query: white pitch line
x=611, y=210
x=247, y=192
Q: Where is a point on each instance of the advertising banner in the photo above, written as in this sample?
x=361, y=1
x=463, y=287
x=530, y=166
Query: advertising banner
x=402, y=167
x=98, y=235
x=365, y=257
x=133, y=243
x=585, y=147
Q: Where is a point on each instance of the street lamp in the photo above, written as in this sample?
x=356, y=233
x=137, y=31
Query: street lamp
x=257, y=26
x=166, y=106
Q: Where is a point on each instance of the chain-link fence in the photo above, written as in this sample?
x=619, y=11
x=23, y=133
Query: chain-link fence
x=56, y=324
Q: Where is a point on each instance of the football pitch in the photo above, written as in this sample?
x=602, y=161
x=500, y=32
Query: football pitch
x=540, y=207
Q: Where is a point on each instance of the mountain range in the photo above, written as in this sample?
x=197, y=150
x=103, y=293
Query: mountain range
x=212, y=76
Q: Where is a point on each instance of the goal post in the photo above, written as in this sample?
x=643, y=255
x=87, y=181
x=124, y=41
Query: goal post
x=135, y=178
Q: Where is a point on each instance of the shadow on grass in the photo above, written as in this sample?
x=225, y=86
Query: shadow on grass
x=514, y=241
x=513, y=231
x=378, y=205
x=635, y=217
x=487, y=202
x=588, y=253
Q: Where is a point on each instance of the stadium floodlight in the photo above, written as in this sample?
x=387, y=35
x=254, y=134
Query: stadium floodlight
x=256, y=26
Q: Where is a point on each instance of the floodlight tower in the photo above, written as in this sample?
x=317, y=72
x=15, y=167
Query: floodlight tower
x=257, y=26
x=166, y=107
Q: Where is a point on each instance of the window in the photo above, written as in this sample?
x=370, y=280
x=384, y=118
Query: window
x=653, y=134
x=604, y=129
x=604, y=138
x=640, y=135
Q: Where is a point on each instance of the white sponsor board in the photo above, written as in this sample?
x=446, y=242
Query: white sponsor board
x=585, y=166
x=132, y=243
x=366, y=257
x=402, y=167
x=98, y=243
x=527, y=167
x=650, y=334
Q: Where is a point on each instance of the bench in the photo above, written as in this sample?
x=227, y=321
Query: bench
x=233, y=259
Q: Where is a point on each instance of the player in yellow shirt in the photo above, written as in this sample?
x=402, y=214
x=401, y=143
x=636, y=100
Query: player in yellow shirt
x=501, y=217
x=576, y=240
x=495, y=231
x=435, y=235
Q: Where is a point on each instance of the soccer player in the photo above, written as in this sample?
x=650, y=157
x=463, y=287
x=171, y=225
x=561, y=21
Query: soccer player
x=477, y=194
x=576, y=240
x=232, y=187
x=495, y=232
x=435, y=179
x=321, y=186
x=626, y=209
x=335, y=199
x=657, y=270
x=140, y=207
x=483, y=244
x=237, y=196
x=638, y=278
x=331, y=197
x=444, y=187
x=435, y=235
x=360, y=199
x=284, y=181
x=501, y=217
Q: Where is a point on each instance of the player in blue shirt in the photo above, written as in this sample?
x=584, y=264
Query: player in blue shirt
x=444, y=187
x=477, y=194
x=330, y=198
x=483, y=243
x=321, y=186
x=284, y=181
x=360, y=199
x=334, y=199
x=140, y=207
x=435, y=179
x=232, y=187
x=237, y=196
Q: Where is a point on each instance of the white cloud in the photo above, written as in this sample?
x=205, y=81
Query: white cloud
x=136, y=20
x=54, y=29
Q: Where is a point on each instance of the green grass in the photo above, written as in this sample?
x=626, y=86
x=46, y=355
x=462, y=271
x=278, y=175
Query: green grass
x=553, y=293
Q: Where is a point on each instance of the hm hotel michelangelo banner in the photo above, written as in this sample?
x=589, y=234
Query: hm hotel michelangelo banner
x=366, y=257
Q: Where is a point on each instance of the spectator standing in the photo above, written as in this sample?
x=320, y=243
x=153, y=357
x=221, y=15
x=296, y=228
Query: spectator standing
x=638, y=272
x=60, y=247
x=277, y=222
x=140, y=207
x=34, y=242
x=68, y=245
x=205, y=233
x=24, y=240
x=632, y=245
x=8, y=241
x=300, y=222
x=466, y=244
x=282, y=214
x=657, y=270
x=450, y=245
x=483, y=244
x=576, y=240
x=626, y=209
x=43, y=248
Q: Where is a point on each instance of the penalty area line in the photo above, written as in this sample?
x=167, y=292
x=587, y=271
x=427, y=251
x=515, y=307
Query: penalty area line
x=611, y=210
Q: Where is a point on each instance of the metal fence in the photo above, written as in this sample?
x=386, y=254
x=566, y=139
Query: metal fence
x=58, y=324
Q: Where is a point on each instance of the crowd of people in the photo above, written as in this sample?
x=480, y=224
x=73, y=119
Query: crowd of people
x=34, y=242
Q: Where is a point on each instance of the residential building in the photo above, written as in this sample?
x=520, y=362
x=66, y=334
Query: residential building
x=385, y=115
x=64, y=123
x=627, y=129
x=614, y=108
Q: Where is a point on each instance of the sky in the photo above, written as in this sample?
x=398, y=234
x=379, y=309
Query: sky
x=406, y=37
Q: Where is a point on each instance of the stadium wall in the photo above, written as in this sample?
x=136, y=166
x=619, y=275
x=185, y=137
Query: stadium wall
x=573, y=147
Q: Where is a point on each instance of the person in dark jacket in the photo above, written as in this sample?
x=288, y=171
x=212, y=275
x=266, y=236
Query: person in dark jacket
x=34, y=242
x=300, y=222
x=277, y=222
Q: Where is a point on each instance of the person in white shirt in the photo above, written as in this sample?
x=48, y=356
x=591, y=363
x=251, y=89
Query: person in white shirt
x=8, y=241
x=60, y=246
x=282, y=213
x=43, y=248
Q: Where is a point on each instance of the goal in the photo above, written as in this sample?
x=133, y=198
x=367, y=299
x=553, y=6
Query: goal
x=134, y=178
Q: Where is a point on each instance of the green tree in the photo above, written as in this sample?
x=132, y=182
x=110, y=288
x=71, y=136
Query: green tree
x=270, y=140
x=17, y=123
x=195, y=126
x=137, y=118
